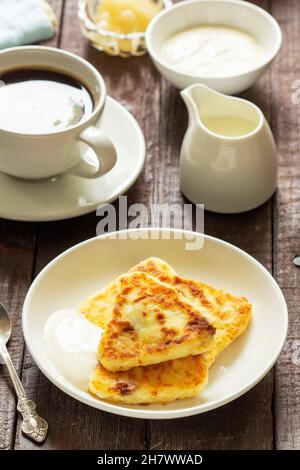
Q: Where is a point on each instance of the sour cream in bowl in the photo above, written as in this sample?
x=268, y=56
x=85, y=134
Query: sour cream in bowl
x=225, y=44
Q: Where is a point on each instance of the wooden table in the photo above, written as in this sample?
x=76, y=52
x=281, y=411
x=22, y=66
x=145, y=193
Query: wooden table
x=268, y=416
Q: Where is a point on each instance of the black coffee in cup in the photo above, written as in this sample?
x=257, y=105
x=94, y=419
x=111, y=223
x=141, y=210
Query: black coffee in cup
x=40, y=101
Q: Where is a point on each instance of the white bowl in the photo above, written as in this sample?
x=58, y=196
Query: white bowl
x=86, y=267
x=234, y=13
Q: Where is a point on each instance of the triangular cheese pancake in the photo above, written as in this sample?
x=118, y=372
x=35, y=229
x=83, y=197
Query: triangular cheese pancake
x=151, y=323
x=98, y=307
x=159, y=383
x=229, y=314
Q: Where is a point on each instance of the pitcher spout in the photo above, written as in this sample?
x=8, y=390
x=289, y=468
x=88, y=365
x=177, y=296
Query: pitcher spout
x=187, y=96
x=196, y=97
x=221, y=115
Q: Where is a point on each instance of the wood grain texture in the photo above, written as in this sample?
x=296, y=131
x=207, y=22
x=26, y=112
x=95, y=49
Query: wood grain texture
x=81, y=427
x=17, y=242
x=269, y=414
x=286, y=119
x=17, y=253
x=246, y=423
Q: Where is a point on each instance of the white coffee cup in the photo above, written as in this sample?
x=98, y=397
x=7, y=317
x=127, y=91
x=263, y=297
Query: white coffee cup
x=37, y=156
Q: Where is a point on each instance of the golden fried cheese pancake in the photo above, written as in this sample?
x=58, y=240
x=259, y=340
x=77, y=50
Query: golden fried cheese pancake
x=229, y=314
x=98, y=307
x=159, y=383
x=151, y=323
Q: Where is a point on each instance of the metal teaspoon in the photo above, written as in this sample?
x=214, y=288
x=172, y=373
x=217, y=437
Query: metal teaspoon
x=33, y=425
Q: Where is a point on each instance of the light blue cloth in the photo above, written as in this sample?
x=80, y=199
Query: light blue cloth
x=23, y=22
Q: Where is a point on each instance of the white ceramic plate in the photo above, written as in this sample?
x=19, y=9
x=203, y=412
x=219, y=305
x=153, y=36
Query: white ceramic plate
x=90, y=265
x=71, y=196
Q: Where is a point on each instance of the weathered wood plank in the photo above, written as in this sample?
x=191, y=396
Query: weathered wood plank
x=80, y=426
x=16, y=262
x=286, y=120
x=246, y=423
x=17, y=252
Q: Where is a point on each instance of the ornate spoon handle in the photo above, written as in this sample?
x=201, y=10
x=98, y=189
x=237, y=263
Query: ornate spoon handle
x=33, y=425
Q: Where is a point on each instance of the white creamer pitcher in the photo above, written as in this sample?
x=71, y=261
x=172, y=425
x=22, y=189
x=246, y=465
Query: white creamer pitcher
x=228, y=156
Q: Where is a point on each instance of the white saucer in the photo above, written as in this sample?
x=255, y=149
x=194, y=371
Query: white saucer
x=92, y=264
x=71, y=196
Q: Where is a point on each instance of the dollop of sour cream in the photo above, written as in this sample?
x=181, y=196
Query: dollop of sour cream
x=72, y=344
x=212, y=50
